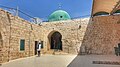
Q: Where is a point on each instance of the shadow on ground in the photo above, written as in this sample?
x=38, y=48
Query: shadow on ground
x=87, y=61
x=93, y=37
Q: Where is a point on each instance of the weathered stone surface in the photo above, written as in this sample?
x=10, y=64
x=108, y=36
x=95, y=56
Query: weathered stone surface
x=102, y=35
x=12, y=29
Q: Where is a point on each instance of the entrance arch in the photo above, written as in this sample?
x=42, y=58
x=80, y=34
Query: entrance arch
x=1, y=44
x=55, y=41
x=1, y=41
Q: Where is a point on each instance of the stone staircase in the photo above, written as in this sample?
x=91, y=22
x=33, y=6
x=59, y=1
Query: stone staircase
x=49, y=52
x=60, y=53
x=56, y=52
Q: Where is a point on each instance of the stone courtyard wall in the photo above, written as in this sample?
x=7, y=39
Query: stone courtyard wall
x=102, y=35
x=21, y=29
x=13, y=29
x=72, y=32
x=4, y=32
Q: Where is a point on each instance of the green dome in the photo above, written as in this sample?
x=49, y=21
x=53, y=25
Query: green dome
x=59, y=15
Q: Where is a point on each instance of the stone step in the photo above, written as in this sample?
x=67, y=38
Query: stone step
x=56, y=52
x=50, y=52
x=60, y=53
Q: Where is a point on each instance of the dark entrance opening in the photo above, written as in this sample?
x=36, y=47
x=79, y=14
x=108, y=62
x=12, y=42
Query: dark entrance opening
x=36, y=42
x=56, y=42
x=119, y=45
x=1, y=46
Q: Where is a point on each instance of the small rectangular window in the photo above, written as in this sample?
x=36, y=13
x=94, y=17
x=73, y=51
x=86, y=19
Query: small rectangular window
x=22, y=45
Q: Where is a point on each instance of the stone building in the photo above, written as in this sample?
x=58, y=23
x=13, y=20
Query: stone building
x=19, y=38
x=99, y=35
x=103, y=31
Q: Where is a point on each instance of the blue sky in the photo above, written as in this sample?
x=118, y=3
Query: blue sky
x=43, y=8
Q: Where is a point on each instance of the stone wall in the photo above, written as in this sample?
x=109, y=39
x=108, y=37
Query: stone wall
x=13, y=29
x=102, y=35
x=72, y=32
x=4, y=32
x=21, y=29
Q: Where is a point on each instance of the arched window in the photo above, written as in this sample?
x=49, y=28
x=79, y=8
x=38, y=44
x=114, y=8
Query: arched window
x=117, y=12
x=101, y=14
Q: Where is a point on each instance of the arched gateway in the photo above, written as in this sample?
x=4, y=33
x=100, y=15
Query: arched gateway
x=0, y=48
x=55, y=40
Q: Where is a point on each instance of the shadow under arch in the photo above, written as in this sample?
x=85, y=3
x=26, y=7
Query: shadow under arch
x=54, y=40
x=101, y=13
x=116, y=12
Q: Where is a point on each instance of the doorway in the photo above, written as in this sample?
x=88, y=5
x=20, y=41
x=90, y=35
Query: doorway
x=36, y=42
x=55, y=41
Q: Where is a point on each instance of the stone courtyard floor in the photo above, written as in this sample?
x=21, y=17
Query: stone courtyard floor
x=63, y=61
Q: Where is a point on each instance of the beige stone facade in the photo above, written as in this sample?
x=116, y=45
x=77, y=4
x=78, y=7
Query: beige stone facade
x=99, y=35
x=102, y=33
x=13, y=29
x=72, y=36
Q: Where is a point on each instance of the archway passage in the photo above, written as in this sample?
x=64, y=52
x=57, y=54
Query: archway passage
x=0, y=39
x=56, y=42
x=0, y=48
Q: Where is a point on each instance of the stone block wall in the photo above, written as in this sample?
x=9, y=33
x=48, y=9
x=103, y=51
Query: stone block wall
x=72, y=32
x=102, y=35
x=4, y=32
x=22, y=29
x=13, y=29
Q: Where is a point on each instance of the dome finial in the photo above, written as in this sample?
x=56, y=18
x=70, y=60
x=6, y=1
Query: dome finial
x=60, y=5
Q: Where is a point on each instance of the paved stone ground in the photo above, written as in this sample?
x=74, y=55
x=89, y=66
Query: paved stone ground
x=87, y=61
x=62, y=61
x=43, y=61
